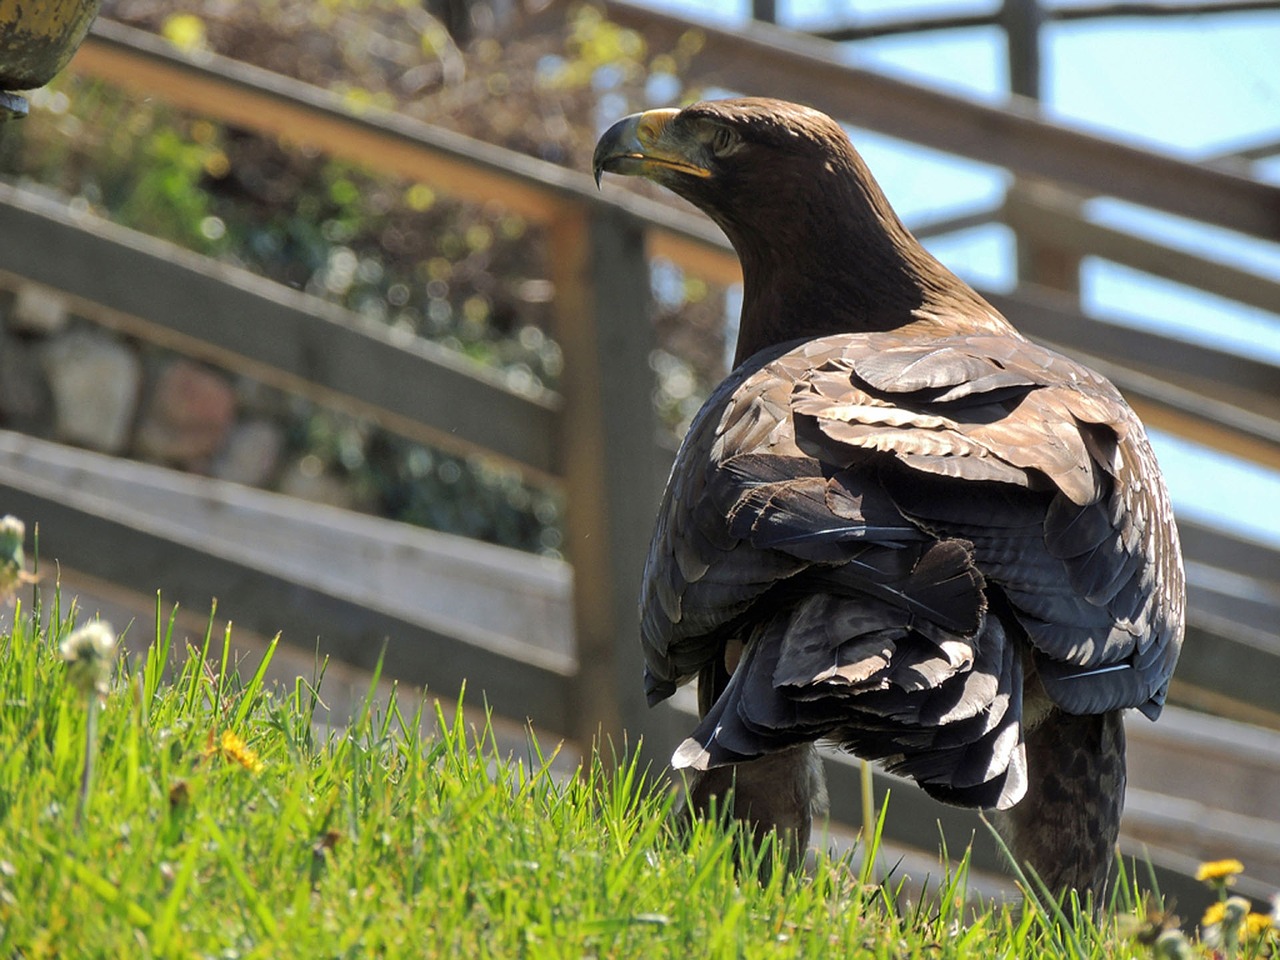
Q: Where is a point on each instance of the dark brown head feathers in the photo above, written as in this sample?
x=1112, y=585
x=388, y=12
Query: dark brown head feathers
x=822, y=250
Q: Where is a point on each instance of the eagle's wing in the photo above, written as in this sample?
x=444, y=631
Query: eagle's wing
x=887, y=524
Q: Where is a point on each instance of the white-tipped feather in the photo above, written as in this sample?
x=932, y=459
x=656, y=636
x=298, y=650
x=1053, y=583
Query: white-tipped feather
x=692, y=755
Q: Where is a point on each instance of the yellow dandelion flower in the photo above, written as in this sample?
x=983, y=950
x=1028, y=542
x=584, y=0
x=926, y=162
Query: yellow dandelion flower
x=1257, y=925
x=1213, y=914
x=232, y=748
x=1219, y=870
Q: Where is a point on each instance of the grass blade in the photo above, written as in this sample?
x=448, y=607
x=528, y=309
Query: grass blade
x=249, y=695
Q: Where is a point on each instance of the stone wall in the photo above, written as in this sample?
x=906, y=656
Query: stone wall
x=67, y=379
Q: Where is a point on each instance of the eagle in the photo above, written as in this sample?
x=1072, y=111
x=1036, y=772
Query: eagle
x=898, y=526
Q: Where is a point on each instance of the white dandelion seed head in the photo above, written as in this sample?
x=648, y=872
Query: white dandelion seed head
x=1235, y=910
x=90, y=653
x=1173, y=945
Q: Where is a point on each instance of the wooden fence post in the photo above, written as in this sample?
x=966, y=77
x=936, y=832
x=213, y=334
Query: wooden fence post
x=609, y=462
x=1038, y=262
x=1043, y=263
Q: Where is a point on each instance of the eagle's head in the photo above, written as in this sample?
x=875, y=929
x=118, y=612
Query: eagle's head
x=822, y=250
x=743, y=162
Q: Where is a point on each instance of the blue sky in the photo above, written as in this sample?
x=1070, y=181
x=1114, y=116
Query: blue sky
x=1193, y=87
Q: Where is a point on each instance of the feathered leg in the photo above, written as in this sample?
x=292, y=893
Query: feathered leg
x=779, y=792
x=1066, y=825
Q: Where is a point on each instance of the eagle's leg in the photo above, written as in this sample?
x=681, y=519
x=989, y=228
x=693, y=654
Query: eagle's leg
x=781, y=792
x=1066, y=826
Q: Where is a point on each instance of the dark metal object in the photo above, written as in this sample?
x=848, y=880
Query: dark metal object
x=36, y=41
x=12, y=106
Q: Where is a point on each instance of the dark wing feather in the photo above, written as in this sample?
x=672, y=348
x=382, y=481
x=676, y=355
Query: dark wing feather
x=846, y=507
x=1086, y=551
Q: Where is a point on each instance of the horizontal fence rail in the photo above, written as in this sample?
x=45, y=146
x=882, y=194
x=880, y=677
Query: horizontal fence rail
x=1048, y=217
x=132, y=548
x=161, y=293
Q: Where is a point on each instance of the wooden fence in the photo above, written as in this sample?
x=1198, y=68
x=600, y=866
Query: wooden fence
x=600, y=244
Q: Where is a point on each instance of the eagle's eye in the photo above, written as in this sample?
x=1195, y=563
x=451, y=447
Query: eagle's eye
x=723, y=141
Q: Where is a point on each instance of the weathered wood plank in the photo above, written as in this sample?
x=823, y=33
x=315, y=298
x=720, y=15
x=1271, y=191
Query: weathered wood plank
x=1208, y=760
x=1041, y=260
x=1048, y=316
x=1216, y=548
x=1156, y=8
x=258, y=99
x=157, y=291
x=864, y=28
x=1046, y=217
x=1207, y=834
x=1231, y=658
x=421, y=575
x=147, y=553
x=1237, y=668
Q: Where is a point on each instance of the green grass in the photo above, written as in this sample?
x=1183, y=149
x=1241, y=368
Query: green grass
x=380, y=840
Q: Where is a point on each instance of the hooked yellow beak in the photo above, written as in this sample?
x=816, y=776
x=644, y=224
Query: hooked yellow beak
x=643, y=145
